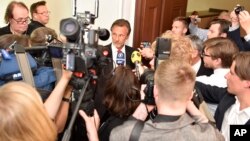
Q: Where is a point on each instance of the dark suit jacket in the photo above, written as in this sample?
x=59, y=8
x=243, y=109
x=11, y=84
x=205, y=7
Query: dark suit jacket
x=203, y=70
x=241, y=43
x=129, y=50
x=32, y=26
x=222, y=97
x=104, y=72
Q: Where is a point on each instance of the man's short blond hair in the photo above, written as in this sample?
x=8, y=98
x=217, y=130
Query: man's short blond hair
x=175, y=80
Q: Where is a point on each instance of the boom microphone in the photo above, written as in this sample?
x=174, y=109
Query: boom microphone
x=136, y=59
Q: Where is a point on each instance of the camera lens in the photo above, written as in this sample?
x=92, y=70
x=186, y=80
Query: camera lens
x=70, y=28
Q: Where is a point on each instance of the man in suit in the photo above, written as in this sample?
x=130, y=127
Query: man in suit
x=118, y=54
x=120, y=31
x=233, y=101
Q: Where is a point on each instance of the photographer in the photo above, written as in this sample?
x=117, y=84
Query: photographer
x=174, y=82
x=121, y=98
x=179, y=28
x=42, y=36
x=203, y=33
x=240, y=18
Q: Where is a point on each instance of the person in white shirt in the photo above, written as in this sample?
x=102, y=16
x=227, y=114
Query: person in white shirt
x=233, y=101
x=218, y=55
x=219, y=25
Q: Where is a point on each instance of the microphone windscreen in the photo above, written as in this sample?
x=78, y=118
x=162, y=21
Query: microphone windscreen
x=136, y=56
x=104, y=34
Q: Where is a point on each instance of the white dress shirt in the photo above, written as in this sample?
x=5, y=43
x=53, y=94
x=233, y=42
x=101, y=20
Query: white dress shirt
x=197, y=66
x=217, y=79
x=114, y=54
x=233, y=116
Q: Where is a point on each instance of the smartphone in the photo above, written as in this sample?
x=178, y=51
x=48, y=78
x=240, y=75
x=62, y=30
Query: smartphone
x=145, y=44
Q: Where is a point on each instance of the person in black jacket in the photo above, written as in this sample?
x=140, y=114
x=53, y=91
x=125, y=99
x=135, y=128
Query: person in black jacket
x=40, y=15
x=17, y=18
x=241, y=20
x=234, y=101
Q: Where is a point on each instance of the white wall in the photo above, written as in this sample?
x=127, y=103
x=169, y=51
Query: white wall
x=109, y=11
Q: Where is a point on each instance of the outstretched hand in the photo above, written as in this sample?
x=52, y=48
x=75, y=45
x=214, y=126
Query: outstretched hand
x=92, y=124
x=195, y=112
x=147, y=52
x=244, y=19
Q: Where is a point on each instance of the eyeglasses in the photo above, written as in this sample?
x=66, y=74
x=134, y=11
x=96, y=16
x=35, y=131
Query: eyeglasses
x=203, y=55
x=44, y=13
x=22, y=20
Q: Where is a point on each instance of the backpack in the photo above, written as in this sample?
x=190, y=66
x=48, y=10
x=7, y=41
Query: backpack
x=44, y=77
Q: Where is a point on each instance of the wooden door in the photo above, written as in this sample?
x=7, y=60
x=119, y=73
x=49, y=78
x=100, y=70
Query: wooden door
x=153, y=17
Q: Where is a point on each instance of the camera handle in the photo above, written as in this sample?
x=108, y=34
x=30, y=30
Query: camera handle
x=67, y=134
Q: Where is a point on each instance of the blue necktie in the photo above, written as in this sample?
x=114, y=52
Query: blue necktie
x=120, y=58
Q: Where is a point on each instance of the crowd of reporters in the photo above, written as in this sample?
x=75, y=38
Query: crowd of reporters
x=213, y=61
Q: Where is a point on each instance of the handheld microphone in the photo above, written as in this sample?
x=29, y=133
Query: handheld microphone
x=136, y=59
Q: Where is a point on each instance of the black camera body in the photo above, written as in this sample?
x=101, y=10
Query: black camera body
x=162, y=52
x=238, y=9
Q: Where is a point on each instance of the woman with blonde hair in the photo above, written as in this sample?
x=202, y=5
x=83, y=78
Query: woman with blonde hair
x=23, y=116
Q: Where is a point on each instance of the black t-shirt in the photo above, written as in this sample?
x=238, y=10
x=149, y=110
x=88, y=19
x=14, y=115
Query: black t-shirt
x=34, y=25
x=31, y=27
x=5, y=30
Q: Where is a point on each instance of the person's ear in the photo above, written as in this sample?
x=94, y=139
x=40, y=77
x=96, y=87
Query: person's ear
x=246, y=83
x=156, y=93
x=195, y=53
x=192, y=94
x=223, y=35
x=217, y=61
x=185, y=31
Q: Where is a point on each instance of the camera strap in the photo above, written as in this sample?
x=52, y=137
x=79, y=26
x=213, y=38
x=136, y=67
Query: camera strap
x=136, y=132
x=24, y=65
x=57, y=65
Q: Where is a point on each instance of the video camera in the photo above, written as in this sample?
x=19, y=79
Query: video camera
x=81, y=56
x=79, y=52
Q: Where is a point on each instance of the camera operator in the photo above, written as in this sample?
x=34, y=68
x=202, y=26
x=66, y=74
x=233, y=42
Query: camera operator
x=173, y=90
x=240, y=18
x=42, y=36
